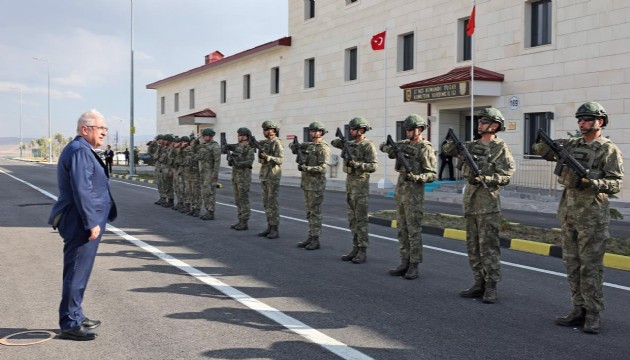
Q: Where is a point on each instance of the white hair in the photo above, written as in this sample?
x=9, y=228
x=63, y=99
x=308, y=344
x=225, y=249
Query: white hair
x=88, y=118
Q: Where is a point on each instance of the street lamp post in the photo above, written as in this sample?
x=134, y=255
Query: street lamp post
x=132, y=128
x=50, y=154
x=21, y=139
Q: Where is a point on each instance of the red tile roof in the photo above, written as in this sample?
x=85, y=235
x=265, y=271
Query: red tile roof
x=203, y=113
x=285, y=41
x=456, y=75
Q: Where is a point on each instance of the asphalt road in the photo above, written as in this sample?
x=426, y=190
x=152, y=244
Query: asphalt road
x=169, y=286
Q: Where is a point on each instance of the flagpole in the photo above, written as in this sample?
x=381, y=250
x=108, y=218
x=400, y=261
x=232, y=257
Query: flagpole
x=385, y=180
x=472, y=79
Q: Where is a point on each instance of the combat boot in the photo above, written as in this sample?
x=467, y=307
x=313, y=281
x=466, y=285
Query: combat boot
x=184, y=209
x=490, y=294
x=412, y=272
x=177, y=206
x=351, y=254
x=592, y=323
x=303, y=244
x=361, y=256
x=265, y=232
x=194, y=213
x=242, y=225
x=273, y=232
x=168, y=203
x=160, y=201
x=401, y=269
x=575, y=318
x=314, y=245
x=209, y=215
x=474, y=291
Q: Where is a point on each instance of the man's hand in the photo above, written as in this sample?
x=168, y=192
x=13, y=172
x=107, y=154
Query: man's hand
x=95, y=232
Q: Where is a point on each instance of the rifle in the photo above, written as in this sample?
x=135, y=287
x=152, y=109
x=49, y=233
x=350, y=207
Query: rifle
x=346, y=154
x=254, y=143
x=297, y=151
x=400, y=156
x=225, y=149
x=466, y=157
x=564, y=158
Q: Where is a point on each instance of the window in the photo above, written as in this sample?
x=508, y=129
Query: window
x=176, y=102
x=191, y=98
x=306, y=135
x=162, y=105
x=540, y=23
x=275, y=80
x=223, y=98
x=351, y=64
x=401, y=134
x=309, y=73
x=309, y=9
x=466, y=41
x=533, y=122
x=246, y=86
x=405, y=52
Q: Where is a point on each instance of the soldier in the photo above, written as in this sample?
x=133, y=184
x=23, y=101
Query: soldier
x=482, y=204
x=166, y=171
x=240, y=157
x=315, y=159
x=175, y=150
x=155, y=149
x=414, y=172
x=585, y=214
x=358, y=165
x=180, y=184
x=191, y=174
x=270, y=157
x=209, y=162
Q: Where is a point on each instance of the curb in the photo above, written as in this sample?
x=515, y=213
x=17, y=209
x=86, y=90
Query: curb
x=135, y=178
x=613, y=261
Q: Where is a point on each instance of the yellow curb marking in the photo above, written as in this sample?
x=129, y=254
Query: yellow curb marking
x=455, y=234
x=617, y=261
x=530, y=246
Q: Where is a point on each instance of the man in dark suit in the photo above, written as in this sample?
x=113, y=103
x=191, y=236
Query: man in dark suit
x=109, y=158
x=81, y=213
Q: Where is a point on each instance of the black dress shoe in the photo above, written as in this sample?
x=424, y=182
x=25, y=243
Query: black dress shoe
x=79, y=333
x=91, y=324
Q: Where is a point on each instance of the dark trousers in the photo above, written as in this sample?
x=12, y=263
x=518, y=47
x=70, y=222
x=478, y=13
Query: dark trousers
x=445, y=162
x=78, y=259
x=109, y=163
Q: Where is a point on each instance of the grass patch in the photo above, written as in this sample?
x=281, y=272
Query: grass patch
x=509, y=230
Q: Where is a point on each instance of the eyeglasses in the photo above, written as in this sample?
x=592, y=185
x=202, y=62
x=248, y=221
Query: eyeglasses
x=586, y=118
x=100, y=128
x=485, y=121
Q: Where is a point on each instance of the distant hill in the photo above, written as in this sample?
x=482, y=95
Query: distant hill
x=13, y=141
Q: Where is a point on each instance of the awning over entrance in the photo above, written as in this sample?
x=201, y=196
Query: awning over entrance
x=205, y=116
x=455, y=83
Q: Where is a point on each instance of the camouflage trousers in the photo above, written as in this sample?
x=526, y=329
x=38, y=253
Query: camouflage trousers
x=482, y=241
x=193, y=190
x=157, y=175
x=410, y=211
x=241, y=180
x=209, y=192
x=357, y=199
x=177, y=185
x=313, y=203
x=270, y=191
x=583, y=248
x=167, y=182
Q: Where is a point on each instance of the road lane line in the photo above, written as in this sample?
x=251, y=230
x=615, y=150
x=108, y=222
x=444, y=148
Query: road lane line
x=336, y=347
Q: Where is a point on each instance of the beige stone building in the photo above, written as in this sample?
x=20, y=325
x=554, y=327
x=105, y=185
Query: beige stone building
x=536, y=61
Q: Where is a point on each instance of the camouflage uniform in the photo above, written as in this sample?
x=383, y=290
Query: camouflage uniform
x=482, y=207
x=191, y=178
x=410, y=195
x=167, y=175
x=209, y=163
x=270, y=174
x=585, y=214
x=358, y=173
x=241, y=160
x=316, y=157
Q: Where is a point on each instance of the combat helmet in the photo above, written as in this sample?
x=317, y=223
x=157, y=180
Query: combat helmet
x=494, y=115
x=317, y=126
x=167, y=137
x=415, y=121
x=244, y=131
x=592, y=109
x=359, y=122
x=184, y=138
x=270, y=124
x=208, y=132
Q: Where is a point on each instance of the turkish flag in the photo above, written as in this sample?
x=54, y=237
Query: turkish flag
x=470, y=28
x=378, y=41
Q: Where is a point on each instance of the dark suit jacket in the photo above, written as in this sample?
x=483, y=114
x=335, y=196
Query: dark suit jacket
x=109, y=155
x=84, y=198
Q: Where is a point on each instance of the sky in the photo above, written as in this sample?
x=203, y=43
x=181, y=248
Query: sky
x=87, y=45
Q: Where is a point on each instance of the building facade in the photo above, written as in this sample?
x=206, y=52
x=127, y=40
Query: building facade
x=536, y=61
